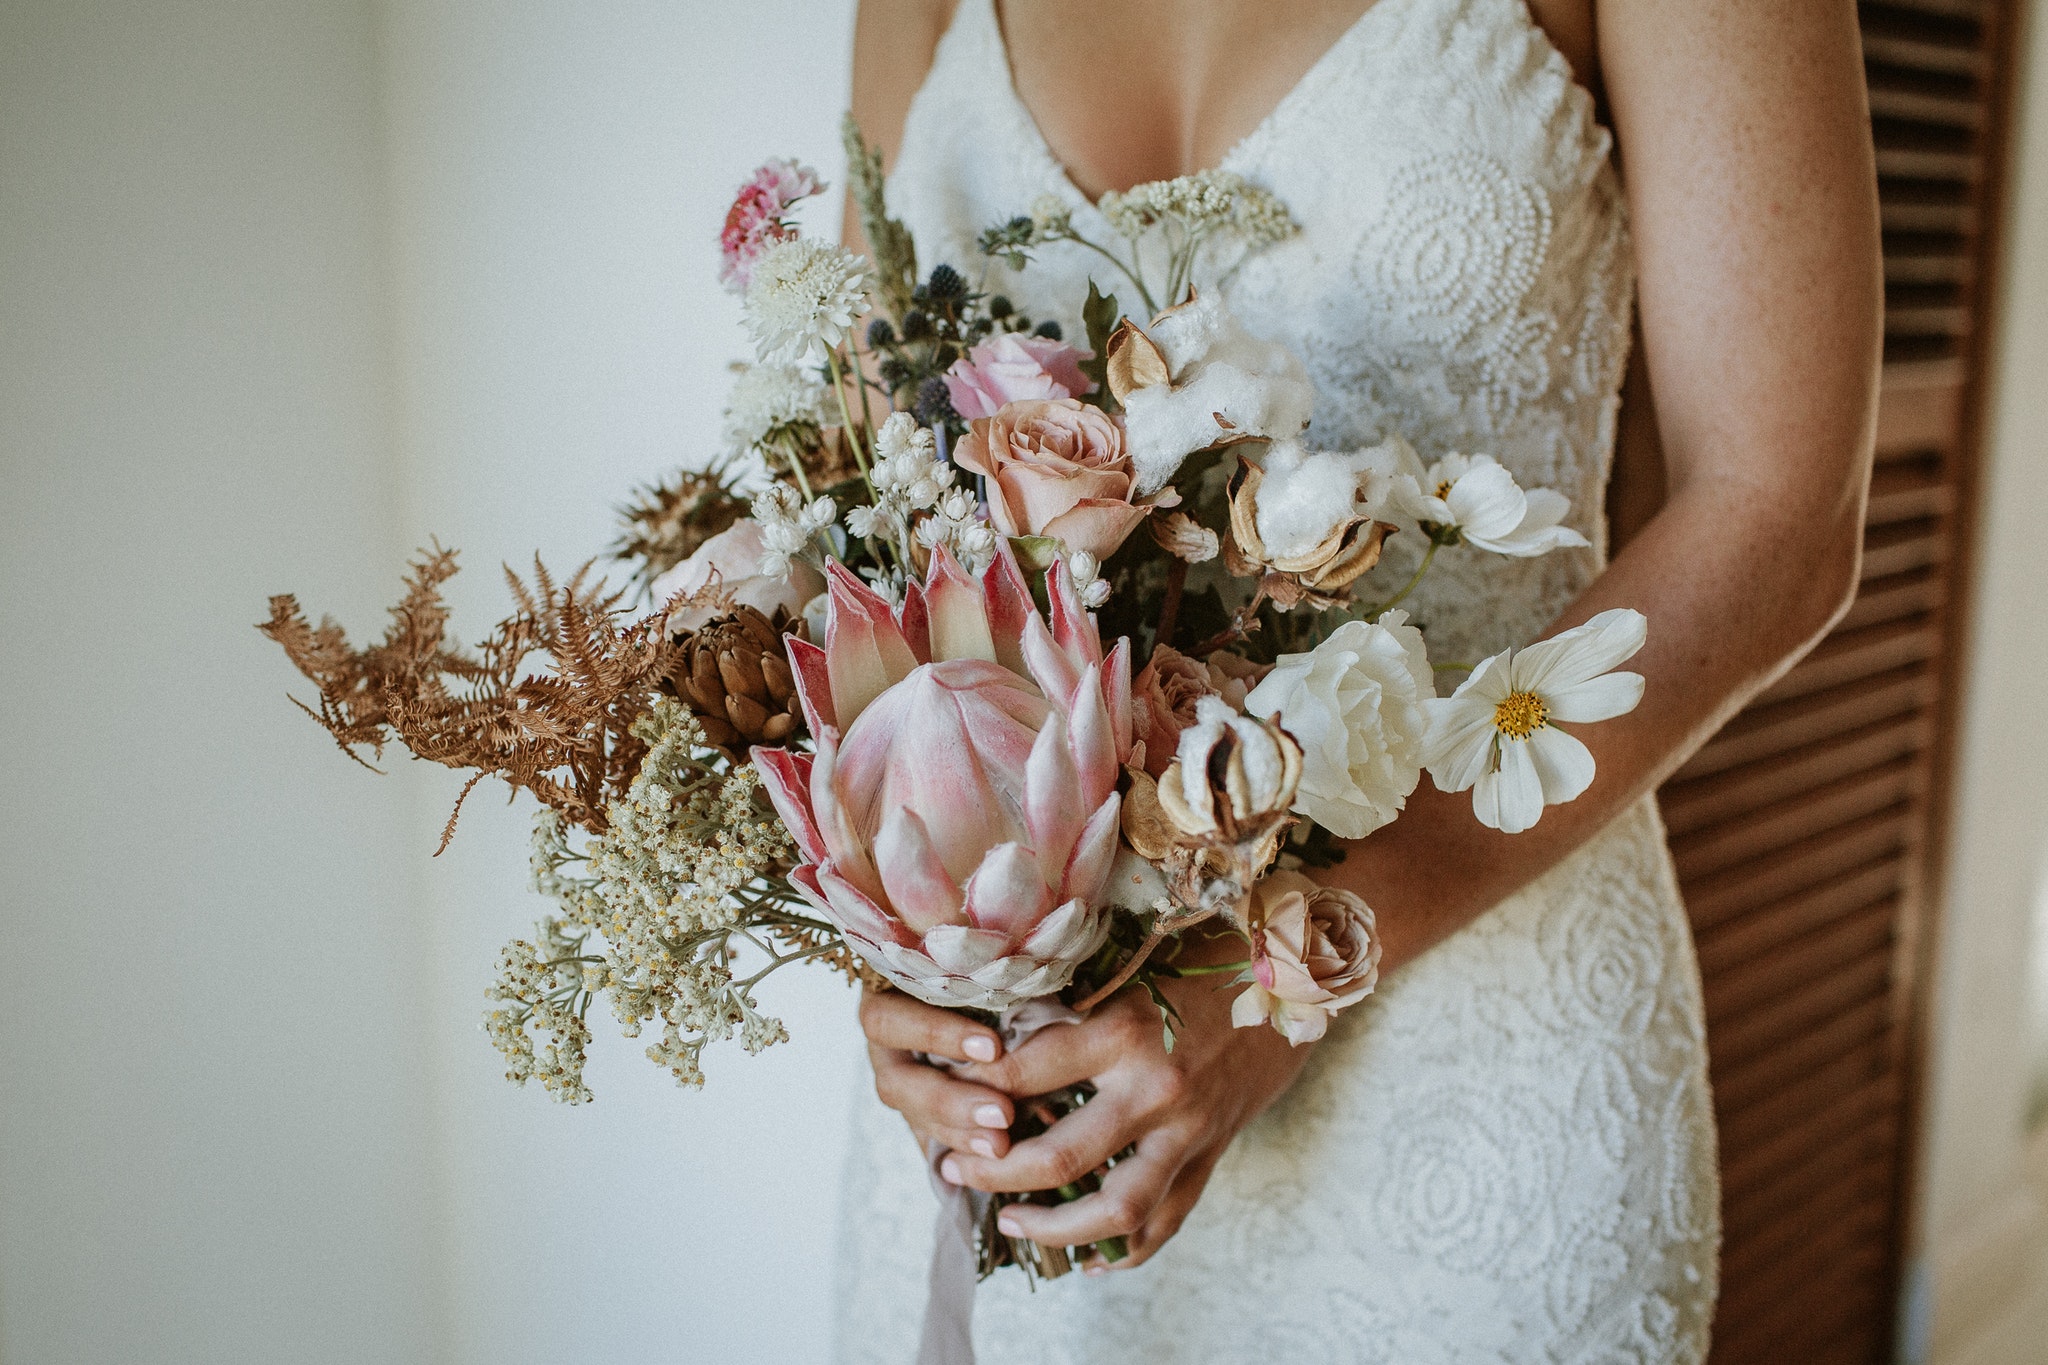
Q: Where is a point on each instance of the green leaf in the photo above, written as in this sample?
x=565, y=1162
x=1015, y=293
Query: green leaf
x=1100, y=316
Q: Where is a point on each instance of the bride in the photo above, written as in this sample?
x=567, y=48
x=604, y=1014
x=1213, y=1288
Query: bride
x=1507, y=1154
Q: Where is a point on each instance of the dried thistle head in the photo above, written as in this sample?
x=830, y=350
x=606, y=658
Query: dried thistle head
x=667, y=521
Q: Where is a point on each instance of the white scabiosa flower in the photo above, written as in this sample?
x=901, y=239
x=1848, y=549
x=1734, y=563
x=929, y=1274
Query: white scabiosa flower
x=803, y=299
x=766, y=398
x=1477, y=498
x=1356, y=704
x=1498, y=735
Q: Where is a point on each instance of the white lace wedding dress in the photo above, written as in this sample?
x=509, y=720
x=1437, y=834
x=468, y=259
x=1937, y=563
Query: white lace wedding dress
x=1507, y=1154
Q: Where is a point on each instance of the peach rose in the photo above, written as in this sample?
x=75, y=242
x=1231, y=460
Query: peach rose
x=1164, y=693
x=1055, y=467
x=1314, y=951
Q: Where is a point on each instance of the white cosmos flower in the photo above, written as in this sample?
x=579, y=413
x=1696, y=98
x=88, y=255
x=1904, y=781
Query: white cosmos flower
x=1355, y=703
x=1498, y=735
x=1478, y=496
x=803, y=299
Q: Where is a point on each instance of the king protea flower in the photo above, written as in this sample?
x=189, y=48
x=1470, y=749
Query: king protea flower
x=959, y=819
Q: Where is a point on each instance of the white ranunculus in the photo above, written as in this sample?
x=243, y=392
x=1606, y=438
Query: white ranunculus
x=1479, y=497
x=1357, y=705
x=1497, y=734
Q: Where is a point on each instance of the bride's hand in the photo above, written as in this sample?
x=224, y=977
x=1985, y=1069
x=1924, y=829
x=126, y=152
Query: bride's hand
x=1181, y=1109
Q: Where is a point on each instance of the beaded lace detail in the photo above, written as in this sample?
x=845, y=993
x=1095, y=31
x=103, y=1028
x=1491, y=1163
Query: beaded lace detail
x=1508, y=1153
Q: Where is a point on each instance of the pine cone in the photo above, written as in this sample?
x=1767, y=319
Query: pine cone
x=734, y=673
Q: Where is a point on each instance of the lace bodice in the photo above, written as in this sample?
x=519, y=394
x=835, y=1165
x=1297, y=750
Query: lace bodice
x=1462, y=276
x=1506, y=1154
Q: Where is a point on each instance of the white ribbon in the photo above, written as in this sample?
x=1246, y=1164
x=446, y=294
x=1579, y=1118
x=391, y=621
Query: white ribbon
x=948, y=1337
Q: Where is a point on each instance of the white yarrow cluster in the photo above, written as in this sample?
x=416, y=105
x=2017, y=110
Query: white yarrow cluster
x=803, y=300
x=1201, y=203
x=908, y=478
x=788, y=525
x=957, y=524
x=1357, y=705
x=1086, y=572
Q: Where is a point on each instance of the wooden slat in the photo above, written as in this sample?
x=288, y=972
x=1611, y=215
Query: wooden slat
x=1741, y=1086
x=1735, y=1042
x=1889, y=598
x=1798, y=817
x=1909, y=490
x=1851, y=1114
x=1835, y=853
x=1848, y=656
x=1818, y=1224
x=1763, y=731
x=1752, y=1125
x=1904, y=546
x=1737, y=792
x=1861, y=936
x=1731, y=943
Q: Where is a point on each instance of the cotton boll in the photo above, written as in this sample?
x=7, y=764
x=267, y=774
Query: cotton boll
x=1307, y=494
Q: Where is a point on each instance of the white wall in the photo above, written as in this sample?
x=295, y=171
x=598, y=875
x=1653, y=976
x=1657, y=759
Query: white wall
x=559, y=172
x=1977, y=1218
x=212, y=1134
x=284, y=290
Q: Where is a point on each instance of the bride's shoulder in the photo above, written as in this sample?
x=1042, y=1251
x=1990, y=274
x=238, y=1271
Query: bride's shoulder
x=893, y=45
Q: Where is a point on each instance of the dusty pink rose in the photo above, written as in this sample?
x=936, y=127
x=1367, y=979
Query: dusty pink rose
x=1164, y=694
x=1011, y=368
x=734, y=558
x=759, y=217
x=1055, y=467
x=1314, y=953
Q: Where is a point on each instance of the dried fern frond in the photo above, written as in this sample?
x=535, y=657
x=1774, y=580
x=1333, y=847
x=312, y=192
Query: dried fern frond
x=667, y=521
x=561, y=730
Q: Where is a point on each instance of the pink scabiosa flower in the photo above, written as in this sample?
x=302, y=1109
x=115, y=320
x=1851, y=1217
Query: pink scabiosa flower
x=959, y=819
x=759, y=217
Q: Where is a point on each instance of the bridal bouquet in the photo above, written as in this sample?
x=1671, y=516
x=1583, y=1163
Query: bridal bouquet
x=986, y=664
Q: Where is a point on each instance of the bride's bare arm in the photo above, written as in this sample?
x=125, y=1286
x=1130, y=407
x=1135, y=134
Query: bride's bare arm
x=1746, y=156
x=1752, y=199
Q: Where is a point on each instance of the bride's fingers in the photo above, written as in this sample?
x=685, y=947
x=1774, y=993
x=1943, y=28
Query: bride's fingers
x=1063, y=1153
x=935, y=1102
x=1129, y=1194
x=1168, y=1214
x=892, y=1019
x=1067, y=1054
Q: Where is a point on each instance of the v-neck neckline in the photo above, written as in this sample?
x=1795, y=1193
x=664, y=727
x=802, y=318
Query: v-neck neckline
x=1304, y=88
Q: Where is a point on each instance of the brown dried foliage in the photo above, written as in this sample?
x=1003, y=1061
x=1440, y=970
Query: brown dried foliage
x=666, y=522
x=561, y=731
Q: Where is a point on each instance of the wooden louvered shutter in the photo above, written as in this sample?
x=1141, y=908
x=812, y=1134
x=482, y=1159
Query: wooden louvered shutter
x=1803, y=833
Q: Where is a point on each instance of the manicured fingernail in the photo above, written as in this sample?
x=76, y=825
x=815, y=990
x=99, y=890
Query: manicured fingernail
x=991, y=1116
x=1008, y=1226
x=981, y=1146
x=949, y=1170
x=980, y=1047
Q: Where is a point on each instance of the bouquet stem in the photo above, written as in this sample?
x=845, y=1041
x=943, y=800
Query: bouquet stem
x=1038, y=1260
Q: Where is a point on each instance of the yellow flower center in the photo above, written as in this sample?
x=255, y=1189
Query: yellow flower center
x=1443, y=490
x=1520, y=715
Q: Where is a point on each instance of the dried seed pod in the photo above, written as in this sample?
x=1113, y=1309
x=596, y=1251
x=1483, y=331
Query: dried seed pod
x=734, y=673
